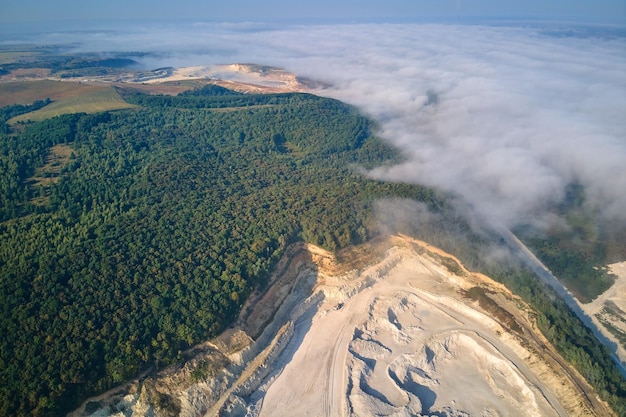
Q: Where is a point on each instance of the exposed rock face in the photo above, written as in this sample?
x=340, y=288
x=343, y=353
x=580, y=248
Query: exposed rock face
x=389, y=330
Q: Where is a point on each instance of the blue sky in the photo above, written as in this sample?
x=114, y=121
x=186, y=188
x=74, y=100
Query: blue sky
x=29, y=11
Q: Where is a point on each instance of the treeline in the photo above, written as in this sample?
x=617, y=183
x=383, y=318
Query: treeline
x=8, y=112
x=218, y=97
x=162, y=222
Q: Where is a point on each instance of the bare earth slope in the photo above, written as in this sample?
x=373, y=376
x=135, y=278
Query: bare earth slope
x=383, y=329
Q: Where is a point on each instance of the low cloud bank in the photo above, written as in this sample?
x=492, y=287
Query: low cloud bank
x=505, y=117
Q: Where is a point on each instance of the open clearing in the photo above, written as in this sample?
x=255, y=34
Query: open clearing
x=25, y=92
x=57, y=158
x=95, y=100
x=67, y=97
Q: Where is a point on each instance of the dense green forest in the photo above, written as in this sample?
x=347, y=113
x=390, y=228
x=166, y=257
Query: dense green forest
x=158, y=226
x=152, y=232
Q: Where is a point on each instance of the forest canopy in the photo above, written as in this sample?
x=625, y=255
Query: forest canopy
x=129, y=236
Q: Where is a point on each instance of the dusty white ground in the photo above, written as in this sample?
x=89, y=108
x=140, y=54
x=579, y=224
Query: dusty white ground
x=403, y=346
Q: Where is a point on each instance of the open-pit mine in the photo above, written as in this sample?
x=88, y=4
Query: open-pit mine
x=392, y=328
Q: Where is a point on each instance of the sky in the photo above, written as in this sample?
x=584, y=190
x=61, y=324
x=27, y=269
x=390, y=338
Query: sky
x=23, y=11
x=504, y=114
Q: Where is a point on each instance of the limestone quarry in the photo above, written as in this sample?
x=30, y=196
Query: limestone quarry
x=391, y=328
x=245, y=78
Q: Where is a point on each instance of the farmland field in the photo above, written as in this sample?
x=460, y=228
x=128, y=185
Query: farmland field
x=25, y=92
x=92, y=99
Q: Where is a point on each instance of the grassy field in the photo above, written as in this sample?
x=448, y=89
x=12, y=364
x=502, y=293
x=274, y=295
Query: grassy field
x=92, y=100
x=25, y=92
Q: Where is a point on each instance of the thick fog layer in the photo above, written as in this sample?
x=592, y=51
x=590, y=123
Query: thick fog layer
x=505, y=116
